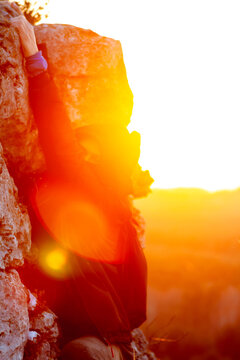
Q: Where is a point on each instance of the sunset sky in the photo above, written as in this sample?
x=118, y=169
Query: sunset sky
x=183, y=65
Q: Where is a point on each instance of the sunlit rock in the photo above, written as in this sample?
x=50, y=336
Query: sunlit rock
x=89, y=72
x=17, y=132
x=14, y=321
x=141, y=346
x=43, y=337
x=15, y=227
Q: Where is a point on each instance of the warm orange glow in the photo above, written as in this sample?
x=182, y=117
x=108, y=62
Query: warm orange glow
x=183, y=68
x=56, y=259
x=193, y=252
x=76, y=224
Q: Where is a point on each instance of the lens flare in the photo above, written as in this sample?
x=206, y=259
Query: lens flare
x=77, y=225
x=56, y=259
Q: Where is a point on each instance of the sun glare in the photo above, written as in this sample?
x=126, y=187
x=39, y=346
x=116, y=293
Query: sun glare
x=56, y=259
x=182, y=60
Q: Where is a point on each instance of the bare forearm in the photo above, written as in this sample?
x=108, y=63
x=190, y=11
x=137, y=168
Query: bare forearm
x=55, y=133
x=26, y=33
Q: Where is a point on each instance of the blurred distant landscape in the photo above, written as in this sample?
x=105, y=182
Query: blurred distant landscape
x=193, y=254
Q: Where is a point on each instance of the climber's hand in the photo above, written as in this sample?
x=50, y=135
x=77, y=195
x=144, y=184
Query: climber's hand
x=26, y=33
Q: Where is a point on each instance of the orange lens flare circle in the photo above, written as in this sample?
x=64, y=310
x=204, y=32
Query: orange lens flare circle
x=54, y=261
x=76, y=224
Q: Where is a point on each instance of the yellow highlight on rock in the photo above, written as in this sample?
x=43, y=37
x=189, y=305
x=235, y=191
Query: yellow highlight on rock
x=56, y=259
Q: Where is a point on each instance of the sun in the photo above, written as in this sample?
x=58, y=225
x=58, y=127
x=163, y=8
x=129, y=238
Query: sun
x=183, y=67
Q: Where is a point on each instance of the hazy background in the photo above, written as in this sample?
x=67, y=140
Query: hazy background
x=193, y=253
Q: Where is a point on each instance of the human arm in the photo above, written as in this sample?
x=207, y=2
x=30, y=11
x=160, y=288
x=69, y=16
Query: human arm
x=115, y=160
x=48, y=110
x=26, y=32
x=64, y=157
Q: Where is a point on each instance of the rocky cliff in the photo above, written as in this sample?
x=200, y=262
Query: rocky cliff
x=24, y=323
x=88, y=70
x=90, y=74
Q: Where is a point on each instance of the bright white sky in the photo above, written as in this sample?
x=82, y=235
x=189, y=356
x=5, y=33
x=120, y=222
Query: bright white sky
x=183, y=65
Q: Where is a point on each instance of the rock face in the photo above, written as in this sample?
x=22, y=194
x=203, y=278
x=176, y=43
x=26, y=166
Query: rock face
x=20, y=314
x=14, y=321
x=17, y=133
x=89, y=72
x=141, y=346
x=91, y=77
x=15, y=240
x=15, y=227
x=43, y=333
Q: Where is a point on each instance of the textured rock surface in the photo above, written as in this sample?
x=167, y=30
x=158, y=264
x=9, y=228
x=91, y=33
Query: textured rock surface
x=140, y=345
x=43, y=335
x=17, y=134
x=14, y=244
x=89, y=72
x=15, y=228
x=14, y=321
x=45, y=323
x=20, y=316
